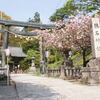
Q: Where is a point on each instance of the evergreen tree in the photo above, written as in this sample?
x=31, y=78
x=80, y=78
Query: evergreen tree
x=89, y=6
x=36, y=18
x=68, y=9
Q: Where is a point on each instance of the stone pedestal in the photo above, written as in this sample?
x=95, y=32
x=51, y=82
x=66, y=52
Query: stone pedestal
x=32, y=70
x=91, y=73
x=62, y=73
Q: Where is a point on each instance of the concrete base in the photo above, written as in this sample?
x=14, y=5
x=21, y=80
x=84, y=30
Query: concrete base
x=91, y=73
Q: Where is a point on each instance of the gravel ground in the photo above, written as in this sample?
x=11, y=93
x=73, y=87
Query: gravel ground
x=41, y=88
x=8, y=93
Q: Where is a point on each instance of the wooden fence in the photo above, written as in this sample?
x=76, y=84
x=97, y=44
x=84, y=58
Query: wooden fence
x=69, y=72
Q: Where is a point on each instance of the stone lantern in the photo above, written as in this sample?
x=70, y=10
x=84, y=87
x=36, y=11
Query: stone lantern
x=32, y=68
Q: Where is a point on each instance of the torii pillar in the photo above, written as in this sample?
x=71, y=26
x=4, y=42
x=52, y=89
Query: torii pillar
x=5, y=46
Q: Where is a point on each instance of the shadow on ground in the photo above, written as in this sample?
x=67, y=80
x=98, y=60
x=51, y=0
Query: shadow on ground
x=28, y=91
x=8, y=93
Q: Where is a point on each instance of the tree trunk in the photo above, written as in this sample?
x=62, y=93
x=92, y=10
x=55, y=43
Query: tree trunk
x=84, y=58
x=65, y=57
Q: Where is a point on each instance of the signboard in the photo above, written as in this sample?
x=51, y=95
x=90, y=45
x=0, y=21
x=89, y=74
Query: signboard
x=95, y=38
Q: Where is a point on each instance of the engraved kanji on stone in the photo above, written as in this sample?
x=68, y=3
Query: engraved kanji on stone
x=96, y=25
x=96, y=32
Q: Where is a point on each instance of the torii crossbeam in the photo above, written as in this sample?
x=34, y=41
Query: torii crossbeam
x=26, y=24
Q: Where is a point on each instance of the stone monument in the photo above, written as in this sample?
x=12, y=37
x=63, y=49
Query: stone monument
x=91, y=73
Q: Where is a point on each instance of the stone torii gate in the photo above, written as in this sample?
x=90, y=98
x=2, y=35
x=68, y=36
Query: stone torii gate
x=6, y=32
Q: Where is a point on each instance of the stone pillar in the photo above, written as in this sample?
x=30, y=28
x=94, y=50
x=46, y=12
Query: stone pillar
x=91, y=74
x=62, y=73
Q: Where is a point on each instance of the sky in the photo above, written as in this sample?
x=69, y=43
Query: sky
x=22, y=10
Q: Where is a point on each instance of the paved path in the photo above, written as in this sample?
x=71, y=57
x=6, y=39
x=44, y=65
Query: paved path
x=8, y=93
x=42, y=88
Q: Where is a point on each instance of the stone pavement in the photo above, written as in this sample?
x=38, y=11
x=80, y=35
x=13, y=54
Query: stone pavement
x=8, y=93
x=41, y=88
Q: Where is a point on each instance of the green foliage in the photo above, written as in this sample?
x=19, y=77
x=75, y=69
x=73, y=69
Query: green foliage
x=36, y=19
x=52, y=59
x=88, y=57
x=76, y=56
x=38, y=71
x=90, y=5
x=78, y=63
x=55, y=64
x=68, y=9
x=55, y=58
x=78, y=59
x=34, y=44
x=17, y=42
x=36, y=54
x=31, y=48
x=25, y=64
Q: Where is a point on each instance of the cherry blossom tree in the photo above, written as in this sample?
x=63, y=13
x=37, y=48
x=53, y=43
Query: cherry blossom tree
x=75, y=33
x=59, y=38
x=82, y=38
x=82, y=35
x=72, y=34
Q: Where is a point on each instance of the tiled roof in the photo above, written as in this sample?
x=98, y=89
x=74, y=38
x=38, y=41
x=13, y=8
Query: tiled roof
x=16, y=52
